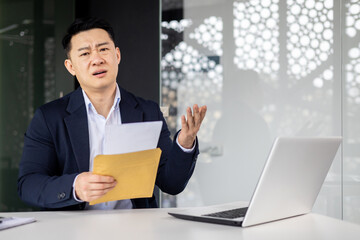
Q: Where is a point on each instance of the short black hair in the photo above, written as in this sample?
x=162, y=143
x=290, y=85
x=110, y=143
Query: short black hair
x=84, y=24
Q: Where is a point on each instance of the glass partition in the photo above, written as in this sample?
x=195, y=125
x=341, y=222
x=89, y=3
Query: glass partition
x=351, y=108
x=264, y=68
x=29, y=76
x=17, y=93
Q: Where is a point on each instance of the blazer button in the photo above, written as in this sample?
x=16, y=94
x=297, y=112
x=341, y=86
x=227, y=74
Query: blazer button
x=61, y=195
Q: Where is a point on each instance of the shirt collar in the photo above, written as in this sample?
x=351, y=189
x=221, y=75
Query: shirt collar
x=89, y=105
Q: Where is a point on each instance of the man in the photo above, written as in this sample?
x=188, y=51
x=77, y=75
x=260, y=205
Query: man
x=65, y=135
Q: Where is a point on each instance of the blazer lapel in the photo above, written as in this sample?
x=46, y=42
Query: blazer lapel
x=129, y=108
x=77, y=127
x=77, y=123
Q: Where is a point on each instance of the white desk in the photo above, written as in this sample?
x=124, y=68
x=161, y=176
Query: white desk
x=157, y=224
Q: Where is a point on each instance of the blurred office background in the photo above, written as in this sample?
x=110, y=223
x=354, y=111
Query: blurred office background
x=32, y=68
x=264, y=68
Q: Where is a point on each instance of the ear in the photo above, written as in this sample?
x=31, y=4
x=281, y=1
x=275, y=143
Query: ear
x=69, y=66
x=118, y=55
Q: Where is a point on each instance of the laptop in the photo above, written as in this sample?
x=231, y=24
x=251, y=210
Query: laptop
x=288, y=186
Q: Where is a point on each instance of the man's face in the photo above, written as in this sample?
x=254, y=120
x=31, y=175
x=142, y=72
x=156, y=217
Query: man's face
x=94, y=60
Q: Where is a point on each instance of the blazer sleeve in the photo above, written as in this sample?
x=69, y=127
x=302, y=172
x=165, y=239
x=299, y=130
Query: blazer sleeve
x=176, y=166
x=41, y=182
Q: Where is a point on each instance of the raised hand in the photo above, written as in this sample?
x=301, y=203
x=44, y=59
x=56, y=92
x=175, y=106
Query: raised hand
x=191, y=125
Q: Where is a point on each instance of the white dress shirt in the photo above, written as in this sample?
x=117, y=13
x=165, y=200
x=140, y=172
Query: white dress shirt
x=96, y=126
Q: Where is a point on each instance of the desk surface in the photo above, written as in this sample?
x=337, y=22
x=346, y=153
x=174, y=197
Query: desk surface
x=157, y=224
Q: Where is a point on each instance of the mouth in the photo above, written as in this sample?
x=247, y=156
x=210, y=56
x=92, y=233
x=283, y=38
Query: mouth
x=99, y=73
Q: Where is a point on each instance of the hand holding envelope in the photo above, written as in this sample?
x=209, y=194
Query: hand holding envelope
x=135, y=174
x=131, y=157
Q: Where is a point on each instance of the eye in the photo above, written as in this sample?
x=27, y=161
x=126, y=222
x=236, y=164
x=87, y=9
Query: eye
x=104, y=49
x=84, y=54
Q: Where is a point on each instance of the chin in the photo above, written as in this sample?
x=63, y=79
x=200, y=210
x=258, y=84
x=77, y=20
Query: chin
x=104, y=85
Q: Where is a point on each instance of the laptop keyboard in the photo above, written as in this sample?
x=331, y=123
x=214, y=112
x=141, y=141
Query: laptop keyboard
x=231, y=214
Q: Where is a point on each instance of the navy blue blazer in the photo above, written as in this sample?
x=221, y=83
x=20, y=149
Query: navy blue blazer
x=56, y=150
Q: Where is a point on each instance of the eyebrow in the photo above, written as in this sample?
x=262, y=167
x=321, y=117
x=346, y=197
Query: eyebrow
x=97, y=45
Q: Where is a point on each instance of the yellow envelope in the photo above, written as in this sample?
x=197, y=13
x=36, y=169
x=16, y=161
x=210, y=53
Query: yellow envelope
x=134, y=172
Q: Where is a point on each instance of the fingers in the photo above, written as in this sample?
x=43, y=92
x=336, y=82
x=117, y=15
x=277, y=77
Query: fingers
x=95, y=194
x=94, y=178
x=190, y=118
x=191, y=125
x=102, y=186
x=197, y=120
x=89, y=187
x=202, y=112
x=184, y=124
x=194, y=119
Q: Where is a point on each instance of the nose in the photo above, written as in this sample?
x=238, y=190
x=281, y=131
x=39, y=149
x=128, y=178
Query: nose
x=97, y=59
